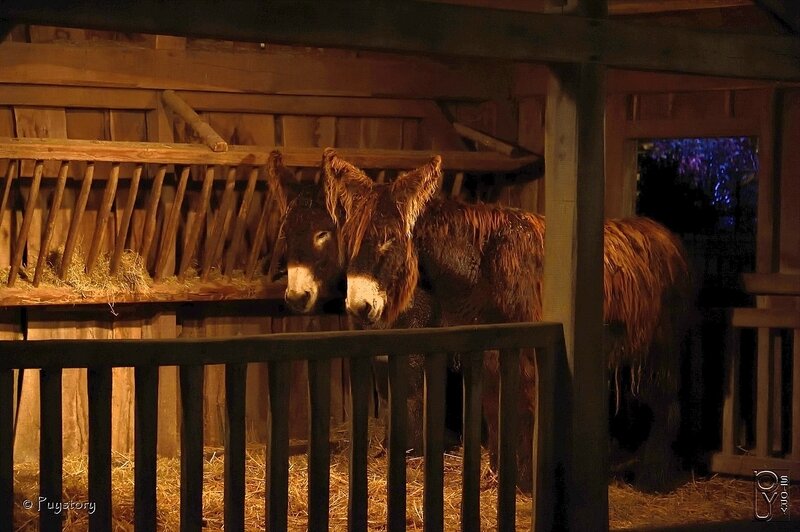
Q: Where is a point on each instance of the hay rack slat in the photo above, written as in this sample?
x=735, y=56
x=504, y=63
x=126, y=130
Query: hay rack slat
x=213, y=225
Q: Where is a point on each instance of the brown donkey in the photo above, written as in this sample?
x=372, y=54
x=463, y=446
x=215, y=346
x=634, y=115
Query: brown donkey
x=316, y=267
x=484, y=264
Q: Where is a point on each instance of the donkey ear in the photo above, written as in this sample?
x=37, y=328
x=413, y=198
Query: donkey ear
x=414, y=189
x=343, y=182
x=278, y=176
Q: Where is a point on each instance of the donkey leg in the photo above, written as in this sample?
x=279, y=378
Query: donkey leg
x=658, y=467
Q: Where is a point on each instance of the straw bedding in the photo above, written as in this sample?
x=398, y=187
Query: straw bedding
x=715, y=499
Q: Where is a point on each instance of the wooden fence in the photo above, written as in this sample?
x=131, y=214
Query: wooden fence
x=769, y=382
x=278, y=350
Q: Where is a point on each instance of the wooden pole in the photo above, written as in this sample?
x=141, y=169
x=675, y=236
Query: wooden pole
x=216, y=239
x=11, y=174
x=122, y=234
x=22, y=237
x=75, y=223
x=241, y=222
x=102, y=218
x=493, y=143
x=51, y=222
x=205, y=131
x=150, y=214
x=168, y=234
x=573, y=273
x=199, y=220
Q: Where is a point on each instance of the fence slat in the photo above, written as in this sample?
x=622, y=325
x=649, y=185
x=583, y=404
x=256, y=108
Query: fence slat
x=359, y=441
x=191, y=378
x=433, y=490
x=319, y=450
x=548, y=440
x=190, y=248
x=99, y=385
x=472, y=364
x=216, y=239
x=277, y=481
x=398, y=443
x=122, y=234
x=235, y=394
x=150, y=214
x=507, y=443
x=241, y=222
x=764, y=384
x=77, y=216
x=27, y=219
x=51, y=222
x=145, y=441
x=50, y=448
x=169, y=233
x=6, y=449
x=102, y=217
x=730, y=407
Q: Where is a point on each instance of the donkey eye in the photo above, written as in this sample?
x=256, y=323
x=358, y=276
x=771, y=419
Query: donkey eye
x=321, y=237
x=383, y=248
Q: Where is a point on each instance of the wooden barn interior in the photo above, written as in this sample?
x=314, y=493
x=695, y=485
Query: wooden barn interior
x=134, y=207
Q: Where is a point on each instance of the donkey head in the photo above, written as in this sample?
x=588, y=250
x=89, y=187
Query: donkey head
x=382, y=272
x=313, y=257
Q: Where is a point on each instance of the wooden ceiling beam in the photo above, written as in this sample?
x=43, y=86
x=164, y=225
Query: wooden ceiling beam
x=437, y=29
x=162, y=153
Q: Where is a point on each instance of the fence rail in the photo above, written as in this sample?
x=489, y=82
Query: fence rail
x=99, y=356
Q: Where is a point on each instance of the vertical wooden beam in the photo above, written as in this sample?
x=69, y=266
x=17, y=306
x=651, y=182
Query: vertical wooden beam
x=99, y=384
x=359, y=442
x=191, y=448
x=397, y=373
x=199, y=220
x=235, y=393
x=145, y=444
x=11, y=175
x=730, y=406
x=241, y=223
x=472, y=364
x=150, y=214
x=277, y=470
x=216, y=239
x=433, y=449
x=573, y=273
x=168, y=240
x=507, y=445
x=319, y=458
x=51, y=453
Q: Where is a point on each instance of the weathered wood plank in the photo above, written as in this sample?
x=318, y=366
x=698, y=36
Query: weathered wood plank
x=765, y=375
x=191, y=377
x=151, y=152
x=471, y=469
x=445, y=30
x=398, y=443
x=145, y=434
x=263, y=72
x=772, y=283
x=359, y=443
x=50, y=447
x=573, y=276
x=99, y=384
x=765, y=318
x=433, y=490
x=277, y=471
x=279, y=346
x=235, y=393
x=319, y=407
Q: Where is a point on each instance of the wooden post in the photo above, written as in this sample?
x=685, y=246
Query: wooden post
x=102, y=217
x=573, y=273
x=75, y=223
x=122, y=234
x=22, y=237
x=51, y=222
x=205, y=131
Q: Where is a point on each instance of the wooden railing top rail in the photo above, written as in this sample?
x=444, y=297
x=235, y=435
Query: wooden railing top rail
x=785, y=284
x=765, y=318
x=176, y=153
x=269, y=347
